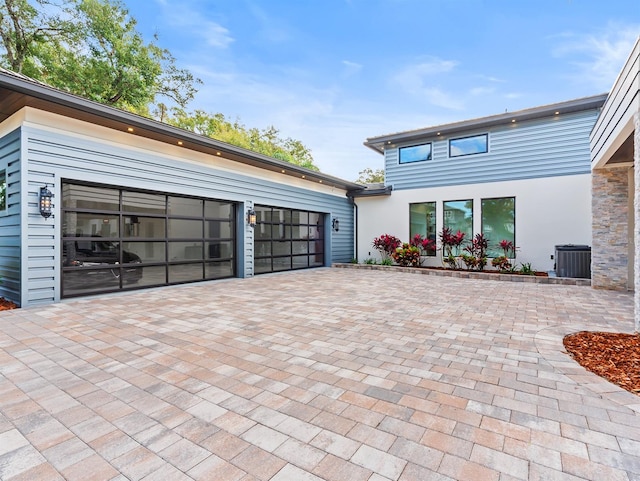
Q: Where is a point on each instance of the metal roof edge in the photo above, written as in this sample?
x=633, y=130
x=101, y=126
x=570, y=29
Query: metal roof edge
x=33, y=88
x=372, y=192
x=569, y=106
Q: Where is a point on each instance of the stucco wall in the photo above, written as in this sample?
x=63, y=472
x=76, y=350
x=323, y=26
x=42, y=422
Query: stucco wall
x=549, y=211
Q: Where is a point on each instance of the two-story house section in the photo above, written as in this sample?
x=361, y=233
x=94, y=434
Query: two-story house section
x=519, y=176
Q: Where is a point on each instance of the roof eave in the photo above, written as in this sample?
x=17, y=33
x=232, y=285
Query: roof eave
x=143, y=126
x=587, y=103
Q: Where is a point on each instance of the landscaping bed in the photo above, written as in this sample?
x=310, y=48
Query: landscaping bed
x=613, y=356
x=6, y=305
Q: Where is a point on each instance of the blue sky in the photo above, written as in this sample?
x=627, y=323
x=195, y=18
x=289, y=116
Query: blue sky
x=333, y=72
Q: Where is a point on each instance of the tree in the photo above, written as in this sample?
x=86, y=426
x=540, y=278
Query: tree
x=91, y=48
x=26, y=28
x=370, y=176
x=264, y=141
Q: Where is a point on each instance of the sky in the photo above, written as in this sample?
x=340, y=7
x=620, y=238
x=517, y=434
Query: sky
x=332, y=73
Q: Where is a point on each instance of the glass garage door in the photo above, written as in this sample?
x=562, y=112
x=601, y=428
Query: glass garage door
x=117, y=239
x=287, y=239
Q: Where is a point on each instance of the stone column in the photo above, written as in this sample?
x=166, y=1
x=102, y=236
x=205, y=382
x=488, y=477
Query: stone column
x=610, y=228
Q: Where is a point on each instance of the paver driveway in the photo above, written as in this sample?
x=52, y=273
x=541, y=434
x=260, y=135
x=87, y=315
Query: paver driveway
x=330, y=374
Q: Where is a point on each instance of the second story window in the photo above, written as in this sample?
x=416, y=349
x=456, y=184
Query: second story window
x=477, y=144
x=415, y=153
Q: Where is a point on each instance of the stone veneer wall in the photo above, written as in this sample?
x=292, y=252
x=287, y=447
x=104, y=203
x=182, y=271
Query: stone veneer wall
x=610, y=228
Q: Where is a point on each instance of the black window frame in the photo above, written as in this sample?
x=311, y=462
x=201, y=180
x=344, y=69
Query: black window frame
x=412, y=233
x=444, y=220
x=486, y=141
x=277, y=261
x=429, y=157
x=3, y=191
x=494, y=242
x=121, y=267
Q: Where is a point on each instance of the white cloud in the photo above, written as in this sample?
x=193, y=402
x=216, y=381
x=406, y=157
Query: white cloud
x=476, y=91
x=351, y=68
x=215, y=34
x=600, y=56
x=194, y=23
x=416, y=80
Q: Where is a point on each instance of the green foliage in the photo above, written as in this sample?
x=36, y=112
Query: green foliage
x=370, y=261
x=90, y=48
x=370, y=176
x=265, y=141
x=502, y=263
x=386, y=261
x=407, y=255
x=526, y=269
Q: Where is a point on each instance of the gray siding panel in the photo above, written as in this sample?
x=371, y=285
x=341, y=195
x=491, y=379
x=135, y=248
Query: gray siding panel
x=54, y=157
x=10, y=229
x=620, y=106
x=540, y=148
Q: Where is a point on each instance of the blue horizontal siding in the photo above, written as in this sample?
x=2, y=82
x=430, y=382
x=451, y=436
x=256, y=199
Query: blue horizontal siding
x=53, y=157
x=532, y=149
x=10, y=229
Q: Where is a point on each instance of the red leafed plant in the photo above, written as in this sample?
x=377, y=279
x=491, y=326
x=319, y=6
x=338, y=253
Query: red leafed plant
x=408, y=255
x=449, y=240
x=425, y=244
x=386, y=244
x=508, y=248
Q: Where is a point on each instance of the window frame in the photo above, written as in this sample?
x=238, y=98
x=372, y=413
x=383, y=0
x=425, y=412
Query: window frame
x=432, y=253
x=444, y=213
x=3, y=192
x=486, y=151
x=206, y=263
x=495, y=241
x=429, y=157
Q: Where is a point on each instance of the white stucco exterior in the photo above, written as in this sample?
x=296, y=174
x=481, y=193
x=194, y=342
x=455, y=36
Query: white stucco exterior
x=549, y=211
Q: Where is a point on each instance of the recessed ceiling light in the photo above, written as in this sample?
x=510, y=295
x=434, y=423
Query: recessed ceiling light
x=283, y=171
x=320, y=181
x=130, y=129
x=513, y=121
x=179, y=142
x=217, y=153
x=557, y=113
x=304, y=176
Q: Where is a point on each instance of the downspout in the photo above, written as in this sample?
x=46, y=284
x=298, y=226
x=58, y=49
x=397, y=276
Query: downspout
x=355, y=226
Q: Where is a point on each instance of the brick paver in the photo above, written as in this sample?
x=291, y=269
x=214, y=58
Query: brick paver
x=327, y=374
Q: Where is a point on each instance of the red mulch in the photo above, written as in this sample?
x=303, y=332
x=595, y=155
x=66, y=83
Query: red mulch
x=6, y=305
x=613, y=356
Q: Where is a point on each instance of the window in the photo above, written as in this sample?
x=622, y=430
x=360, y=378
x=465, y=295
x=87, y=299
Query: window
x=3, y=190
x=422, y=220
x=287, y=239
x=415, y=153
x=116, y=238
x=478, y=144
x=458, y=216
x=498, y=223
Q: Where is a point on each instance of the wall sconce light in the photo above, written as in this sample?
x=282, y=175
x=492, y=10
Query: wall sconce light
x=45, y=202
x=251, y=218
x=335, y=224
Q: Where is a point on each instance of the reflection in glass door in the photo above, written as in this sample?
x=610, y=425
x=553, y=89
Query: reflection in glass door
x=287, y=239
x=123, y=239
